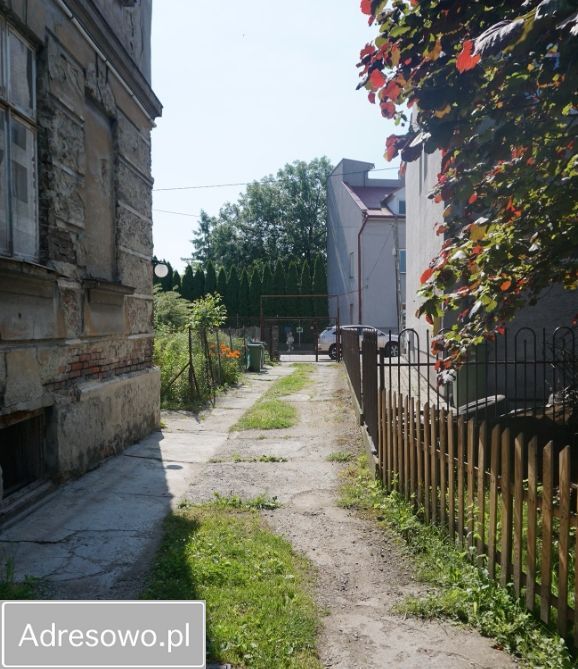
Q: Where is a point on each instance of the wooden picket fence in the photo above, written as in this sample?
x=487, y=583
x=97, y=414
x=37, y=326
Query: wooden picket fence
x=512, y=504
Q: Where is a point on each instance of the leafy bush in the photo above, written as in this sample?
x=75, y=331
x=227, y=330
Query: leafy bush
x=171, y=354
x=171, y=312
x=208, y=312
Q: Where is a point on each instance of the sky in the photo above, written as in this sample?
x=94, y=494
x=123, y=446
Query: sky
x=247, y=87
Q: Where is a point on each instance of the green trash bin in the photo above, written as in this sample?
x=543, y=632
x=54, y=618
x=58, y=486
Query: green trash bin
x=256, y=356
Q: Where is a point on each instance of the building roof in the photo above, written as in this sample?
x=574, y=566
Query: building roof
x=373, y=199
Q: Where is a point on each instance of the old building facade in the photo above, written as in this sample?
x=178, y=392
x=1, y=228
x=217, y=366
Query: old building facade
x=76, y=112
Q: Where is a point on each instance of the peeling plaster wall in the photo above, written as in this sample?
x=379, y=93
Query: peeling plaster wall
x=76, y=326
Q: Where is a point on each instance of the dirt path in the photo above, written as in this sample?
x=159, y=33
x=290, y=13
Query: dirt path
x=362, y=571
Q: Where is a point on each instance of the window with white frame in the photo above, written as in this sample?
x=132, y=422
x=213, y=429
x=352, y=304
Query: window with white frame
x=18, y=172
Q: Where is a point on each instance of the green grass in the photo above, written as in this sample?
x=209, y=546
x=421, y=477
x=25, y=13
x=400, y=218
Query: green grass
x=259, y=502
x=293, y=383
x=237, y=457
x=259, y=458
x=259, y=611
x=267, y=415
x=11, y=589
x=463, y=591
x=271, y=413
x=340, y=456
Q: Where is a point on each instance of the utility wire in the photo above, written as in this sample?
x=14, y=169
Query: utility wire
x=178, y=213
x=266, y=181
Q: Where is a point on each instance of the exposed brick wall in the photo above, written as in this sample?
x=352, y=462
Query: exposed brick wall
x=86, y=362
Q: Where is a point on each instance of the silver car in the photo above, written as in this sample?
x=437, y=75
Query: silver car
x=326, y=342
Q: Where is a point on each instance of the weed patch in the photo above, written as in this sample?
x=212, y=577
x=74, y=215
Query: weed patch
x=12, y=589
x=340, y=456
x=259, y=458
x=464, y=592
x=259, y=610
x=261, y=502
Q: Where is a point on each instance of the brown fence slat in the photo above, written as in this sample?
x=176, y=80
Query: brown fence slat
x=426, y=460
x=389, y=446
x=451, y=476
x=470, y=482
x=395, y=467
x=576, y=585
x=412, y=476
x=531, y=524
x=443, y=463
x=518, y=510
x=547, y=503
x=563, y=543
x=506, y=511
x=493, y=519
x=433, y=463
x=481, y=529
x=400, y=469
x=419, y=454
x=381, y=433
x=460, y=463
x=406, y=448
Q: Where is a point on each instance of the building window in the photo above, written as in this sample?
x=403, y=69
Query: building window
x=18, y=172
x=401, y=208
x=351, y=265
x=402, y=261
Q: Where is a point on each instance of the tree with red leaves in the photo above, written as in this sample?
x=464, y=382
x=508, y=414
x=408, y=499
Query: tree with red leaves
x=495, y=89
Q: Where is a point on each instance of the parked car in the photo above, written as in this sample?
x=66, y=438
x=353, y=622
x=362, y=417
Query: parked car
x=327, y=340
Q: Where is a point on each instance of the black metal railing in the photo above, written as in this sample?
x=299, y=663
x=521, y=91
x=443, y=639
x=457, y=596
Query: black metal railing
x=522, y=377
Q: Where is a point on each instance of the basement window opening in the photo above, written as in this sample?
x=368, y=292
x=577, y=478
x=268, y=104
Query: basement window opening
x=22, y=454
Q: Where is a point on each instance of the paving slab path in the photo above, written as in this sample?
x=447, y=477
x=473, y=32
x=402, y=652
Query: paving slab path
x=95, y=537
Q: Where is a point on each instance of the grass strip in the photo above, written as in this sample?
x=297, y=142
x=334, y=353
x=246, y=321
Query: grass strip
x=267, y=415
x=463, y=592
x=259, y=610
x=271, y=413
x=292, y=383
